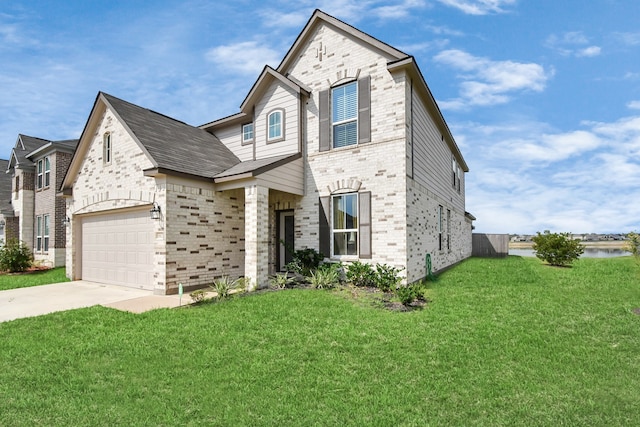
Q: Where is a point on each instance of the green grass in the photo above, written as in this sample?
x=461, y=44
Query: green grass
x=503, y=342
x=37, y=278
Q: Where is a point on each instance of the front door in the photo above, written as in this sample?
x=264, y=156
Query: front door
x=286, y=235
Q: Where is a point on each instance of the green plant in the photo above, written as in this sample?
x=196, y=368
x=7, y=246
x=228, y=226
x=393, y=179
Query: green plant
x=15, y=256
x=633, y=244
x=407, y=294
x=280, y=281
x=387, y=278
x=326, y=276
x=304, y=261
x=198, y=296
x=361, y=274
x=224, y=285
x=557, y=248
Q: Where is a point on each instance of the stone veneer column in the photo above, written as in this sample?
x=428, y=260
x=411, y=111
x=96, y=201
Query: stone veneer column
x=256, y=234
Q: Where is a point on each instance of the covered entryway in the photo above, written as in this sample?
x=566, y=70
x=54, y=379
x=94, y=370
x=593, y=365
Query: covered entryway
x=118, y=248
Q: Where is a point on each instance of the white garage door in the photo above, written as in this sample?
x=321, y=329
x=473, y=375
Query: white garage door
x=117, y=248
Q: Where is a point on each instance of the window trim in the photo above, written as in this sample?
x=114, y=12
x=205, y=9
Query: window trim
x=39, y=233
x=39, y=174
x=353, y=119
x=46, y=224
x=439, y=218
x=107, y=148
x=280, y=137
x=244, y=141
x=47, y=172
x=355, y=231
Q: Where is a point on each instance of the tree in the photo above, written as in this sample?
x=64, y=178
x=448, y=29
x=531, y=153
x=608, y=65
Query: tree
x=15, y=256
x=633, y=244
x=557, y=248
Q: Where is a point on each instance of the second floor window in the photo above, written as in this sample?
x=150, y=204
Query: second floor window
x=106, y=140
x=344, y=115
x=274, y=125
x=44, y=173
x=247, y=133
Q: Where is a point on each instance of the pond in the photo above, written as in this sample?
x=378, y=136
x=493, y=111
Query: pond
x=588, y=252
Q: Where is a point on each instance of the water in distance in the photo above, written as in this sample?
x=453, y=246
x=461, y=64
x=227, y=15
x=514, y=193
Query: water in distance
x=588, y=252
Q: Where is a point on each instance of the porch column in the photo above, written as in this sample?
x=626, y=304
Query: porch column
x=256, y=235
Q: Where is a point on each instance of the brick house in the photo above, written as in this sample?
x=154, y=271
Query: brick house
x=342, y=148
x=36, y=217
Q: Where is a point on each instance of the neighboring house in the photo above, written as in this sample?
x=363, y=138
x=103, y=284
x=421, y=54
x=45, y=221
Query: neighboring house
x=7, y=228
x=37, y=167
x=342, y=148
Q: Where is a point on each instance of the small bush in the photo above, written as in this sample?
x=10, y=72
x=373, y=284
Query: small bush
x=304, y=261
x=633, y=244
x=361, y=274
x=557, y=248
x=326, y=276
x=198, y=296
x=280, y=281
x=224, y=285
x=407, y=294
x=387, y=278
x=15, y=256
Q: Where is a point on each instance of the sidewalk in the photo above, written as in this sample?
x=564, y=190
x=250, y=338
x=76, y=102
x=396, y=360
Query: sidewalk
x=38, y=300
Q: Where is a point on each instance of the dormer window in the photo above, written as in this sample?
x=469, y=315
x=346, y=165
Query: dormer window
x=247, y=133
x=275, y=124
x=106, y=146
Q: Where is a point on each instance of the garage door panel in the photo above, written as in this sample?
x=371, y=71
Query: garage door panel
x=117, y=248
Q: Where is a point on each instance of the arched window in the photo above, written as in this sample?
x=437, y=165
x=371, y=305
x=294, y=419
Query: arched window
x=275, y=123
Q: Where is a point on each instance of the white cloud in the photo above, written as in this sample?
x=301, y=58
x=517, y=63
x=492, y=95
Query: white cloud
x=589, y=51
x=572, y=43
x=398, y=11
x=631, y=39
x=488, y=82
x=634, y=105
x=526, y=178
x=247, y=57
x=479, y=7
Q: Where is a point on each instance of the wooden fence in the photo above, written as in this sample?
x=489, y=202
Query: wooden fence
x=490, y=245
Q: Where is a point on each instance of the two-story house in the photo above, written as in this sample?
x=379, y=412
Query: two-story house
x=341, y=148
x=37, y=167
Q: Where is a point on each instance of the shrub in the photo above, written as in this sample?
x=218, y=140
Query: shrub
x=633, y=244
x=304, y=261
x=326, y=276
x=557, y=248
x=198, y=296
x=407, y=294
x=360, y=274
x=387, y=278
x=224, y=285
x=15, y=256
x=280, y=281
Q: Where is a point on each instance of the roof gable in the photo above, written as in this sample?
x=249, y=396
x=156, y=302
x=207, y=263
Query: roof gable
x=266, y=77
x=170, y=145
x=319, y=18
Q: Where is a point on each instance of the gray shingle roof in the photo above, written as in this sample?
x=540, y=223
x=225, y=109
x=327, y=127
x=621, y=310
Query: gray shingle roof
x=174, y=145
x=256, y=167
x=30, y=144
x=5, y=190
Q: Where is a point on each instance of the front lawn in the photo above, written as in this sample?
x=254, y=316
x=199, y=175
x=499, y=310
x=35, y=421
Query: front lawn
x=502, y=342
x=35, y=278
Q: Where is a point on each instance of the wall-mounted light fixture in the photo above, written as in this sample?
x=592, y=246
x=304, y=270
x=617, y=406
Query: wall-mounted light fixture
x=66, y=220
x=155, y=211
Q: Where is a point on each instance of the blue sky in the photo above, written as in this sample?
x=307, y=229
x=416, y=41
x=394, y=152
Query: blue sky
x=543, y=97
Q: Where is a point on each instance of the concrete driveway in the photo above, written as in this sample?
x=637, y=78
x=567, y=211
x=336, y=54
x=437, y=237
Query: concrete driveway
x=38, y=300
